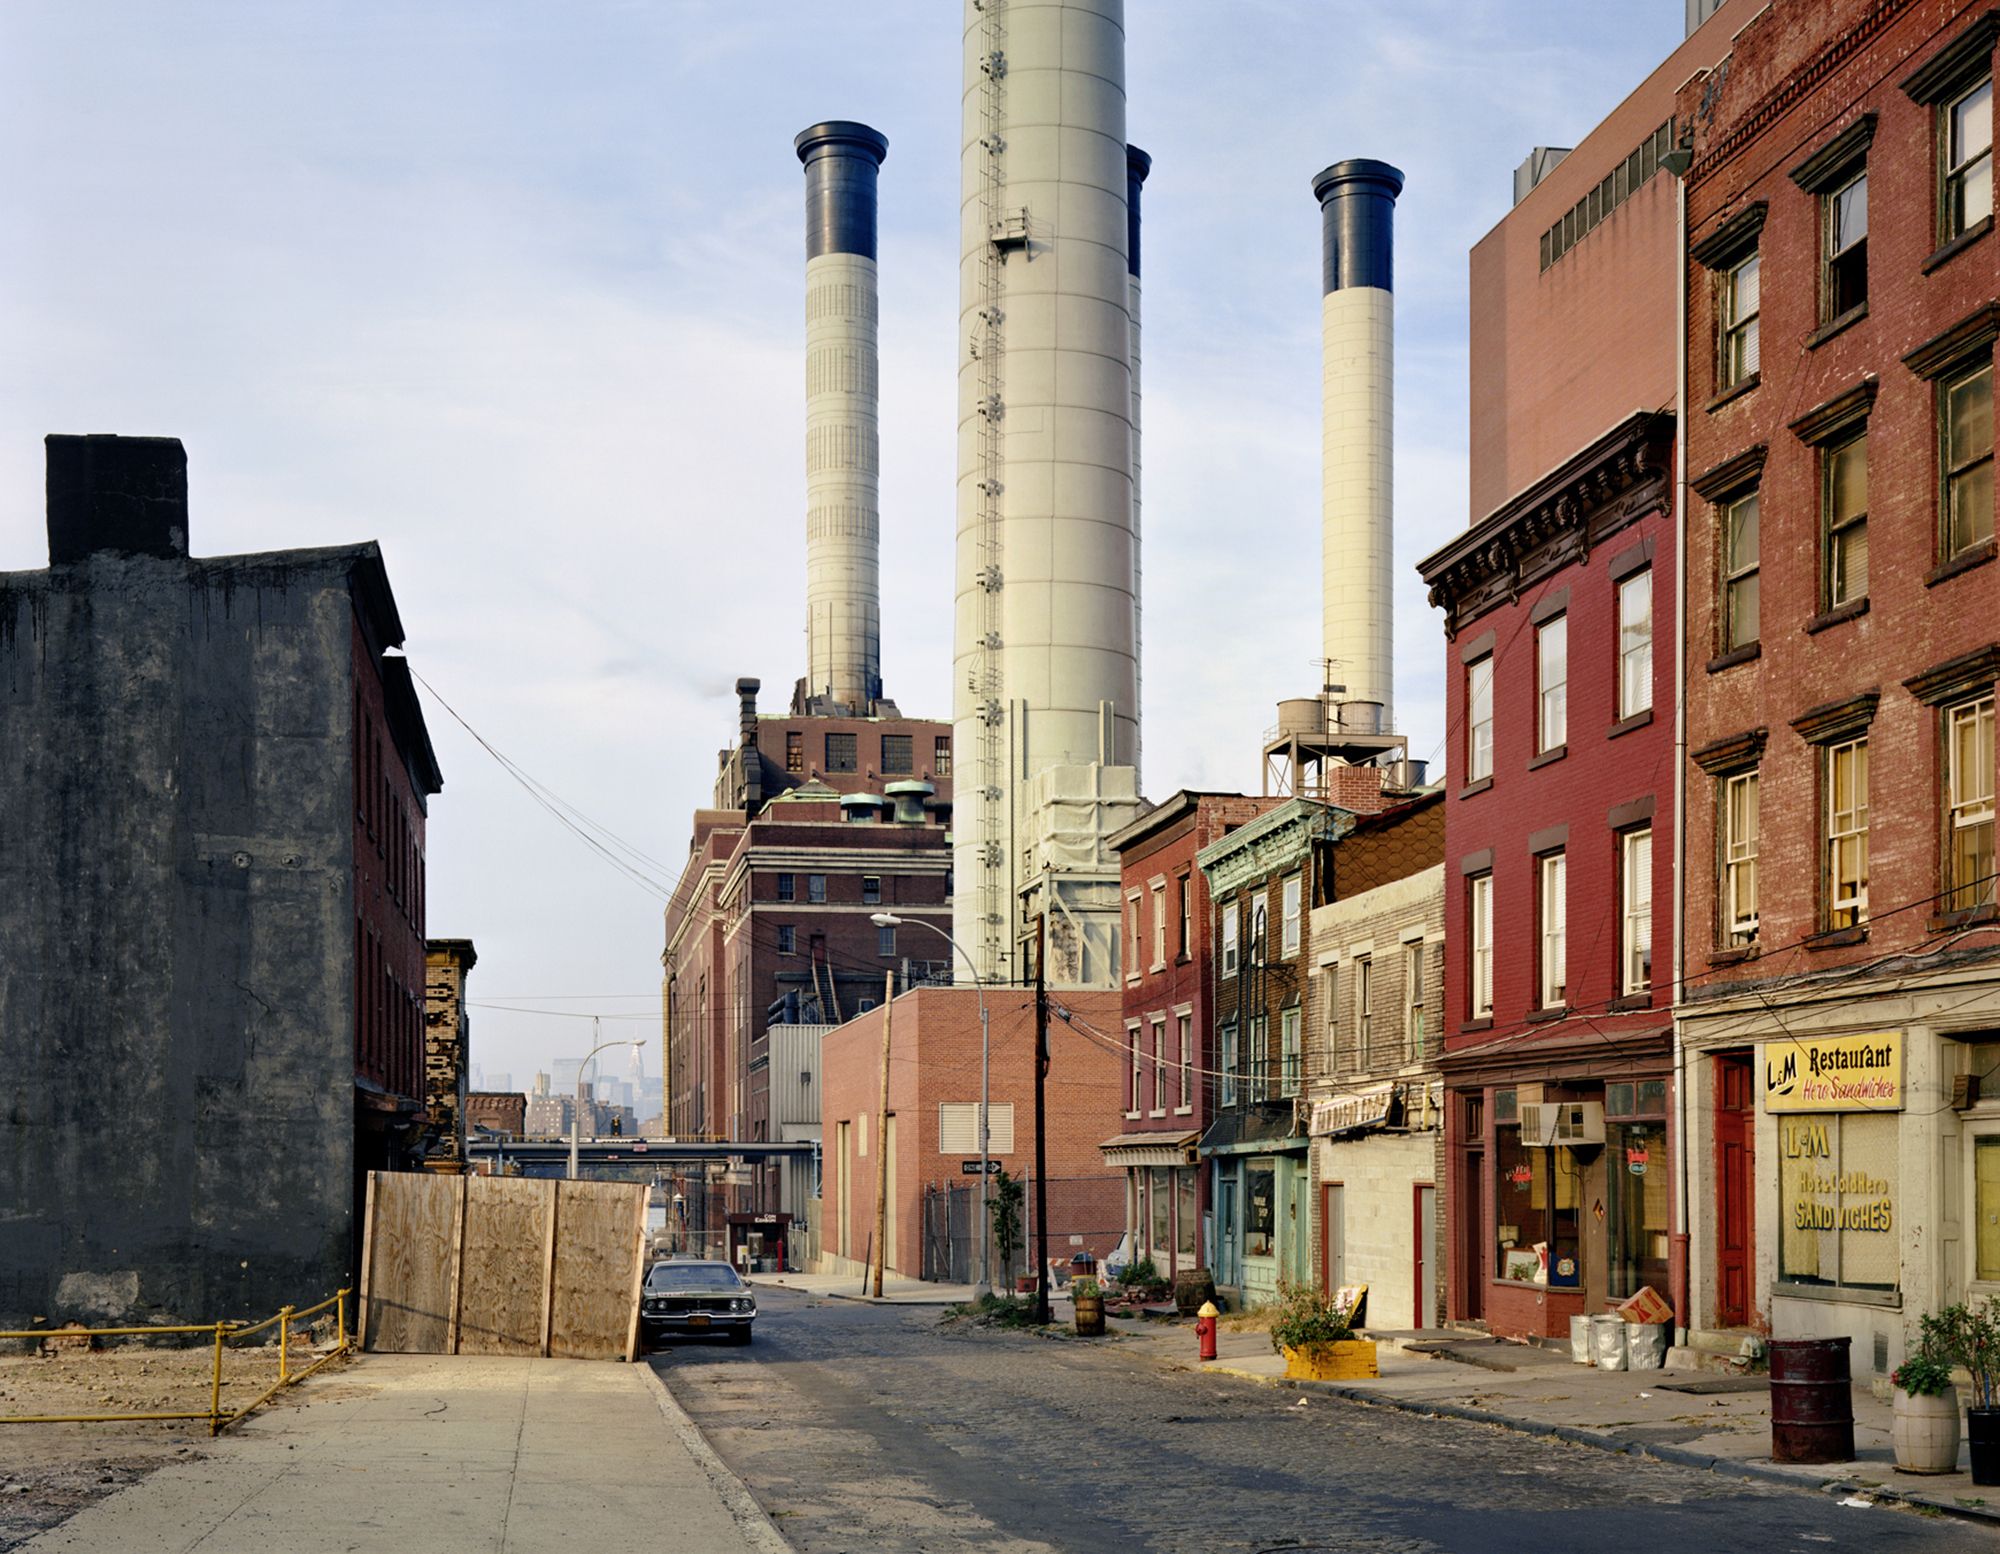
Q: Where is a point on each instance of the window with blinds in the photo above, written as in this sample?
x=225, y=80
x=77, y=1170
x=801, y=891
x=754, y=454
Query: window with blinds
x=958, y=1128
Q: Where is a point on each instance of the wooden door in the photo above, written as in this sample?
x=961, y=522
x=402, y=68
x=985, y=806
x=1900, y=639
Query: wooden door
x=1332, y=1236
x=1735, y=1170
x=1472, y=1235
x=1425, y=1272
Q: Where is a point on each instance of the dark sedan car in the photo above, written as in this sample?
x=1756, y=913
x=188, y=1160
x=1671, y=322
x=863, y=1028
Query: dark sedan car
x=696, y=1297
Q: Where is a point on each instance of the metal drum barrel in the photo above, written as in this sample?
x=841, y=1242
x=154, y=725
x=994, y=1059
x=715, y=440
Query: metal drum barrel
x=1812, y=1401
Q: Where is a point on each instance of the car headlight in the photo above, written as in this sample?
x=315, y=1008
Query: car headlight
x=739, y=1305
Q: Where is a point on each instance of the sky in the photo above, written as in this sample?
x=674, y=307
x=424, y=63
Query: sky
x=516, y=289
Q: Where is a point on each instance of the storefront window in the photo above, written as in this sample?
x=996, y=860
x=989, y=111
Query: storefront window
x=1837, y=1199
x=1260, y=1186
x=1636, y=1184
x=1535, y=1197
x=1161, y=1241
x=1184, y=1225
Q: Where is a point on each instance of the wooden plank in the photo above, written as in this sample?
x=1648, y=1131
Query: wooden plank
x=410, y=1270
x=638, y=1274
x=549, y=1264
x=598, y=1239
x=367, y=1250
x=503, y=1286
x=457, y=1263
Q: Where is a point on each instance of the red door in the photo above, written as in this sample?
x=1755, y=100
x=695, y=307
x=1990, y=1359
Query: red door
x=1735, y=1161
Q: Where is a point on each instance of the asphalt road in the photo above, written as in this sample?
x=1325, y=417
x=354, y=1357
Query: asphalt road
x=880, y=1429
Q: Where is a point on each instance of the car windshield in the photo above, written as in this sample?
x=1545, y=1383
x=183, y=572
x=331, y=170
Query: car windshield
x=693, y=1276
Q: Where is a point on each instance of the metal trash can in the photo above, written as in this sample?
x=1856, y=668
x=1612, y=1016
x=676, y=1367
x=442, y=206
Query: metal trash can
x=1812, y=1400
x=1645, y=1345
x=1607, y=1341
x=1579, y=1340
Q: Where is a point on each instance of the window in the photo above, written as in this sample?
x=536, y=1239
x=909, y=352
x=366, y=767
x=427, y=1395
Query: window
x=815, y=887
x=1847, y=834
x=795, y=751
x=1159, y=927
x=1290, y=1055
x=1554, y=940
x=1552, y=682
x=1229, y=940
x=958, y=1128
x=1739, y=858
x=1330, y=993
x=1479, y=719
x=898, y=753
x=787, y=939
x=1226, y=1085
x=1415, y=1043
x=1968, y=160
x=1133, y=930
x=1480, y=902
x=1739, y=572
x=1837, y=1179
x=1846, y=222
x=1257, y=1058
x=788, y=887
x=1968, y=461
x=885, y=941
x=1737, y=305
x=1636, y=885
x=1293, y=889
x=1135, y=1090
x=1260, y=1215
x=1187, y=915
x=1364, y=1009
x=1844, y=501
x=842, y=753
x=1537, y=1211
x=1968, y=840
x=1186, y=1102
x=941, y=756
x=1635, y=644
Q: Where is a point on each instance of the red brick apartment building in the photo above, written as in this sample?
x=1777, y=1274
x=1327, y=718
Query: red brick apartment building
x=1168, y=1027
x=1560, y=852
x=933, y=1137
x=1841, y=663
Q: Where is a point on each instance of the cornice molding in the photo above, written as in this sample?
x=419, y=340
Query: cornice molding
x=1732, y=240
x=1958, y=345
x=1833, y=417
x=1731, y=753
x=1732, y=476
x=1831, y=164
x=1957, y=65
x=1832, y=721
x=1271, y=844
x=1966, y=675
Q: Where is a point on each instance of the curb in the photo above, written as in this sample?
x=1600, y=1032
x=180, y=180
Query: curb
x=870, y=1300
x=760, y=1533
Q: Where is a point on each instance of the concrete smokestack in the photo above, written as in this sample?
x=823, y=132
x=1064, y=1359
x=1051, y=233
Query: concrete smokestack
x=1137, y=165
x=843, y=443
x=1357, y=335
x=1045, y=666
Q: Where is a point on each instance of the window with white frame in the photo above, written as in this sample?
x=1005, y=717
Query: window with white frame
x=1479, y=902
x=1187, y=915
x=1159, y=1067
x=1552, y=684
x=1229, y=940
x=1737, y=304
x=1846, y=225
x=1330, y=997
x=1635, y=644
x=1225, y=1087
x=1257, y=1059
x=1844, y=509
x=1415, y=1038
x=1364, y=1010
x=1479, y=719
x=815, y=887
x=1291, y=1057
x=1636, y=911
x=1134, y=961
x=1186, y=1102
x=1968, y=159
x=871, y=890
x=1135, y=1087
x=1968, y=840
x=1966, y=410
x=1293, y=899
x=1554, y=986
x=1738, y=809
x=1159, y=926
x=1741, y=561
x=1846, y=854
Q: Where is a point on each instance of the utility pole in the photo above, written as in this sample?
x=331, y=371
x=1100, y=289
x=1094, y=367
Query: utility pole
x=1041, y=1121
x=882, y=1138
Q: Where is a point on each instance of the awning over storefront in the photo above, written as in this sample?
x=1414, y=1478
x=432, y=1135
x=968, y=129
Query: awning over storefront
x=1253, y=1130
x=1149, y=1149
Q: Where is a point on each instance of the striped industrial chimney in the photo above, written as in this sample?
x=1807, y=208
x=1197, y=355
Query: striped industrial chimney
x=1357, y=202
x=843, y=517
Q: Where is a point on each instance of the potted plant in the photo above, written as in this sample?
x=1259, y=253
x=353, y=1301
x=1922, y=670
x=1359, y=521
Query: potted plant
x=1925, y=1427
x=1312, y=1331
x=1971, y=1336
x=1087, y=1296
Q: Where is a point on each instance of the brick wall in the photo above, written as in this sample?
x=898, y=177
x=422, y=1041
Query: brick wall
x=446, y=1034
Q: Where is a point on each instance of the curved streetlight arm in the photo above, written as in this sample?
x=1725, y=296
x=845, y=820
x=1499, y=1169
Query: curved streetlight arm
x=575, y=1107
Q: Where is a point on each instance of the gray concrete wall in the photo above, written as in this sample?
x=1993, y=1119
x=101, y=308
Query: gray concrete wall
x=176, y=936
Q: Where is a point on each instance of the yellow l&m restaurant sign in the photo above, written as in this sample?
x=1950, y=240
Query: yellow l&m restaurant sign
x=1861, y=1073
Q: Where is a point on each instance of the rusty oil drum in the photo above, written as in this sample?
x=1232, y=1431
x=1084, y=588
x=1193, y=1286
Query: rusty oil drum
x=1812, y=1401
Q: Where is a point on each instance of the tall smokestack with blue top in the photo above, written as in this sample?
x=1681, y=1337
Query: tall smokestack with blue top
x=843, y=514
x=1357, y=513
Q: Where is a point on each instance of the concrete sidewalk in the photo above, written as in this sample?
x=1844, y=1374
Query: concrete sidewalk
x=1697, y=1418
x=896, y=1291
x=459, y=1453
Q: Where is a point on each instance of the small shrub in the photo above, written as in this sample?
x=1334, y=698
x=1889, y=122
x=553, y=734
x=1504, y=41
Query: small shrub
x=1304, y=1316
x=1142, y=1272
x=1085, y=1286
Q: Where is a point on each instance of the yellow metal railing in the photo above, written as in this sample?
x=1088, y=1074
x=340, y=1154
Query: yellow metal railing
x=221, y=1333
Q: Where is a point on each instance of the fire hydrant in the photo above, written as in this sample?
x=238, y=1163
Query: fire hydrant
x=1204, y=1328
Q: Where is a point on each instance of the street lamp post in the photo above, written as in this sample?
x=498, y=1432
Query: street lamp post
x=891, y=920
x=575, y=1106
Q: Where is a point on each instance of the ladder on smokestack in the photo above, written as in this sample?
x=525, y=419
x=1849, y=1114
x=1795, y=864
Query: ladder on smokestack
x=989, y=344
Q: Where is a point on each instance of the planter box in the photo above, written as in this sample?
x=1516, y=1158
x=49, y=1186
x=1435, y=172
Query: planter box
x=1351, y=1360
x=1924, y=1432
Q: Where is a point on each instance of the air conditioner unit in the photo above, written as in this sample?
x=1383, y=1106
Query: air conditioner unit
x=1579, y=1122
x=1538, y=1124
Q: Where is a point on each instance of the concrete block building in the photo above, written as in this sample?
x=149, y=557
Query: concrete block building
x=212, y=889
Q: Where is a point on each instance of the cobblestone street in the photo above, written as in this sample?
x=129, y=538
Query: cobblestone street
x=867, y=1428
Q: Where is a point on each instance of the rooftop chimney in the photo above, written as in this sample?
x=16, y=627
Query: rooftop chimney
x=121, y=496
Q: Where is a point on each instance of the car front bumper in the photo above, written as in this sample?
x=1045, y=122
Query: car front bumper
x=695, y=1321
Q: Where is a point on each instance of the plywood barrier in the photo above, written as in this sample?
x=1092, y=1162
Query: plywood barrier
x=502, y=1265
